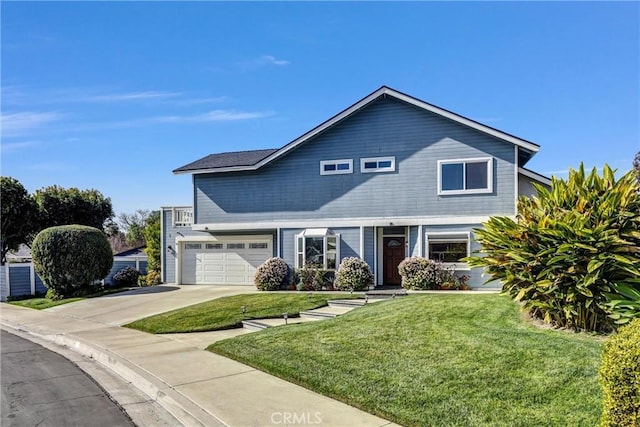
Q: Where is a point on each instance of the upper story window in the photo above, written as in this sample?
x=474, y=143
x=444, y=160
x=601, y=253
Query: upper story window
x=336, y=167
x=466, y=176
x=378, y=164
x=318, y=248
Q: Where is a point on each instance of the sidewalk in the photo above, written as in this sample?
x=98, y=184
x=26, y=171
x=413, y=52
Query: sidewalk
x=197, y=387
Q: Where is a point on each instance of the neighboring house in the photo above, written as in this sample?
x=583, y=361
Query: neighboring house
x=18, y=277
x=387, y=178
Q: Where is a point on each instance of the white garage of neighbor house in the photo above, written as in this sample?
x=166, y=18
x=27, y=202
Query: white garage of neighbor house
x=225, y=260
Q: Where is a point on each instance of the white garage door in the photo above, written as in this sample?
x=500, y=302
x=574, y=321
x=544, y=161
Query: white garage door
x=232, y=261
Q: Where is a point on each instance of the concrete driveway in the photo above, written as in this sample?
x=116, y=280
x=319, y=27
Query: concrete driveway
x=119, y=309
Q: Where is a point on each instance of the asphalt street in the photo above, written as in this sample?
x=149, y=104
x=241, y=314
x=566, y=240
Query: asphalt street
x=42, y=388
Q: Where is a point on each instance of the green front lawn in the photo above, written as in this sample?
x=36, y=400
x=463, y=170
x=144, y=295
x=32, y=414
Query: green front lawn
x=40, y=303
x=437, y=360
x=226, y=313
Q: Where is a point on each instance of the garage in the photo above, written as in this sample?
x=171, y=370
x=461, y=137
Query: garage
x=229, y=261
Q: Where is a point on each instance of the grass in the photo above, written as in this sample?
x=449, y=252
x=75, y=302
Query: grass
x=226, y=313
x=40, y=303
x=434, y=360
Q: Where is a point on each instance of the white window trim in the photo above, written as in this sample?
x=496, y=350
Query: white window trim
x=391, y=168
x=489, y=188
x=336, y=162
x=299, y=250
x=450, y=237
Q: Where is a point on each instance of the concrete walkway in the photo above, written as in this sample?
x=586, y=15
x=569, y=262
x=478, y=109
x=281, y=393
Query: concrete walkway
x=197, y=387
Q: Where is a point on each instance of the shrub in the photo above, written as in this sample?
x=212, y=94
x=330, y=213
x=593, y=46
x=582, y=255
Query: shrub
x=270, y=275
x=128, y=276
x=70, y=258
x=153, y=278
x=573, y=255
x=353, y=274
x=419, y=273
x=314, y=278
x=620, y=377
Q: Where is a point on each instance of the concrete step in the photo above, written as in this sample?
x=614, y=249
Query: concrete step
x=312, y=314
x=385, y=294
x=347, y=303
x=254, y=325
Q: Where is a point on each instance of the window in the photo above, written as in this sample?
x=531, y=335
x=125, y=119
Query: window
x=336, y=167
x=378, y=164
x=448, y=248
x=214, y=246
x=470, y=176
x=235, y=245
x=193, y=246
x=260, y=245
x=317, y=247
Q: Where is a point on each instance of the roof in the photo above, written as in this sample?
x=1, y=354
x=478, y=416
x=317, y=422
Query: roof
x=225, y=160
x=135, y=252
x=23, y=253
x=535, y=176
x=252, y=160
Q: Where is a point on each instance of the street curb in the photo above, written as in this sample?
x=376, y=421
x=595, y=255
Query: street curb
x=187, y=412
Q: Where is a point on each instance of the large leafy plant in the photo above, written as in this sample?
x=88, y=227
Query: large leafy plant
x=572, y=256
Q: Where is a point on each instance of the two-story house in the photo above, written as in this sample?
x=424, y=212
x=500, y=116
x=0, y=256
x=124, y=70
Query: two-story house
x=389, y=177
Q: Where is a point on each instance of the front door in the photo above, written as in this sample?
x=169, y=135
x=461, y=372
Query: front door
x=392, y=254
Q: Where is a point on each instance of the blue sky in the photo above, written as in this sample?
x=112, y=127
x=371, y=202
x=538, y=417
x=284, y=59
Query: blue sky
x=114, y=96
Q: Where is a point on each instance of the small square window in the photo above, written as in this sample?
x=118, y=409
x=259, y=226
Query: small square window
x=193, y=246
x=235, y=245
x=258, y=245
x=214, y=246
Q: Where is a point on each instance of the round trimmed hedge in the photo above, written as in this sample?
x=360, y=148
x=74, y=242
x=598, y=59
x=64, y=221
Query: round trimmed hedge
x=270, y=274
x=71, y=258
x=353, y=274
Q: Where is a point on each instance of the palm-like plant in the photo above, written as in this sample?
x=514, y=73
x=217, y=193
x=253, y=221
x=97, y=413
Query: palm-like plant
x=572, y=256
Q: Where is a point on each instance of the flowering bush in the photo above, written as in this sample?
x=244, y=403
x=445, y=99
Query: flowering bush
x=353, y=274
x=271, y=274
x=419, y=273
x=422, y=274
x=128, y=276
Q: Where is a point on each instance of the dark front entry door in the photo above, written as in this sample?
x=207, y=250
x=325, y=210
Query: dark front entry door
x=392, y=254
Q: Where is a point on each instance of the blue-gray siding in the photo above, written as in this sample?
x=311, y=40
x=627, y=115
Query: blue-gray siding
x=4, y=289
x=292, y=187
x=20, y=280
x=40, y=287
x=369, y=247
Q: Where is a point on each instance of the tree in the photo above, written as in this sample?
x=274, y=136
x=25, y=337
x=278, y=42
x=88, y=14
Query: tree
x=152, y=237
x=63, y=206
x=573, y=255
x=19, y=215
x=133, y=227
x=71, y=258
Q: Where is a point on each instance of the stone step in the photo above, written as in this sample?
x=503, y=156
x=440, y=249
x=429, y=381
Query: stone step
x=254, y=325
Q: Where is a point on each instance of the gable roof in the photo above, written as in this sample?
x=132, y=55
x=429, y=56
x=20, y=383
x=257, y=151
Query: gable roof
x=225, y=162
